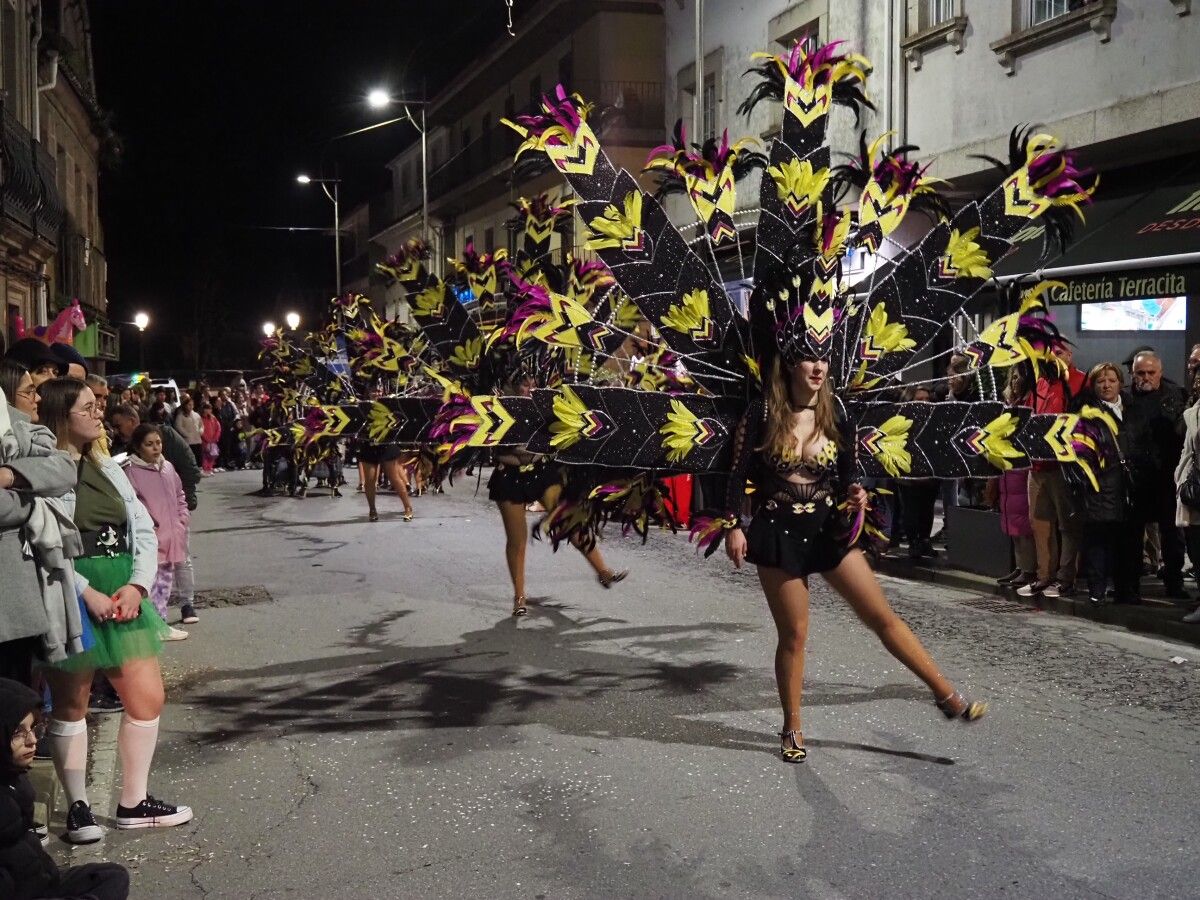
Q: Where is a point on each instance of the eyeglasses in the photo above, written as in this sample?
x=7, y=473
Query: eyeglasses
x=29, y=393
x=91, y=409
x=29, y=735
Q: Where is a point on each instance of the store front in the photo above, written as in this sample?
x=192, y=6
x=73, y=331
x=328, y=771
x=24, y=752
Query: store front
x=1132, y=273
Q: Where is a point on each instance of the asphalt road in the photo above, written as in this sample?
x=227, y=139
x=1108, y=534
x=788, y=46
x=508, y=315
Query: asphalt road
x=380, y=727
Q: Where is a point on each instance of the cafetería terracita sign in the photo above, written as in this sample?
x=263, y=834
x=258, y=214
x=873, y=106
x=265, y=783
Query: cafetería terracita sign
x=1134, y=284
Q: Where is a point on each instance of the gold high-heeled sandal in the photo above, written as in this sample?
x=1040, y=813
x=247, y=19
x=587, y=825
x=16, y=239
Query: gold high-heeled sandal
x=956, y=706
x=519, y=607
x=792, y=748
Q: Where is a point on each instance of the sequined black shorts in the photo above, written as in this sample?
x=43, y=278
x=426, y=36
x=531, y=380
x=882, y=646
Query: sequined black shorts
x=375, y=454
x=522, y=484
x=799, y=543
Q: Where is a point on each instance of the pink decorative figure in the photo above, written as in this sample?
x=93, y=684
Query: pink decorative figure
x=62, y=329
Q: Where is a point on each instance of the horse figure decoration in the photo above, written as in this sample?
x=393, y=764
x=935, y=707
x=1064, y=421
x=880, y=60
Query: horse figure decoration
x=62, y=329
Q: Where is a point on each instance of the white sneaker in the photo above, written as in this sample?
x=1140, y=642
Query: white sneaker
x=175, y=634
x=1033, y=589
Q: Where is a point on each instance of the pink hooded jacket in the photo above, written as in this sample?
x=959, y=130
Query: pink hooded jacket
x=161, y=492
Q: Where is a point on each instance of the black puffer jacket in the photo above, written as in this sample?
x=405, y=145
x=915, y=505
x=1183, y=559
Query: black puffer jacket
x=26, y=870
x=1110, y=502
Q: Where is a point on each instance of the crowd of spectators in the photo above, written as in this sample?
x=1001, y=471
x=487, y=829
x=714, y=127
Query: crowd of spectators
x=1070, y=539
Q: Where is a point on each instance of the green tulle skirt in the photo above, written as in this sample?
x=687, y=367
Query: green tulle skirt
x=116, y=642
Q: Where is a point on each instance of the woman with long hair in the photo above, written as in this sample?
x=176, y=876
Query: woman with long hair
x=521, y=478
x=119, y=564
x=793, y=447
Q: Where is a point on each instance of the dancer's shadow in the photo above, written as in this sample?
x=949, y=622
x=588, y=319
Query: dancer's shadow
x=564, y=674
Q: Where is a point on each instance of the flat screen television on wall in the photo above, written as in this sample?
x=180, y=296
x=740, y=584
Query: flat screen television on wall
x=1161, y=314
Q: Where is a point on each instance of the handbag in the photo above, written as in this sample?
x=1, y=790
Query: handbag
x=1189, y=491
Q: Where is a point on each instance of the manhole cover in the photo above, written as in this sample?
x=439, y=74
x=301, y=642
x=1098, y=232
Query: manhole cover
x=995, y=604
x=215, y=598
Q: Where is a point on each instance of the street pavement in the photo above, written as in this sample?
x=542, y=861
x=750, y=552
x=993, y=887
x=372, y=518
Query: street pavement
x=380, y=727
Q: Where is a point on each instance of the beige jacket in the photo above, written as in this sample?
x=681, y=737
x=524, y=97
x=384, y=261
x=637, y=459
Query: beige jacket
x=1185, y=515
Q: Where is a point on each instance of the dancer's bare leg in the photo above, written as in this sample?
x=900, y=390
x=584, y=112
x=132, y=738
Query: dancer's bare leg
x=857, y=584
x=787, y=597
x=370, y=474
x=515, y=539
x=395, y=474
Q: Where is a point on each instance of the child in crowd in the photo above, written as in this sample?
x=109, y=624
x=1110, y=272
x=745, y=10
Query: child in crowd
x=26, y=870
x=210, y=437
x=160, y=489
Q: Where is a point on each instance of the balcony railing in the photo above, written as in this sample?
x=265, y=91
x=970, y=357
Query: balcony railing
x=28, y=193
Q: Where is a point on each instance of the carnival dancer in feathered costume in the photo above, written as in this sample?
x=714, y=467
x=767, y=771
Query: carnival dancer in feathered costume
x=513, y=358
x=789, y=398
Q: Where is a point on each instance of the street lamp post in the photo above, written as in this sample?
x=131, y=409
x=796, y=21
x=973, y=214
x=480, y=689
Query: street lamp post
x=337, y=221
x=140, y=321
x=268, y=329
x=293, y=320
x=378, y=99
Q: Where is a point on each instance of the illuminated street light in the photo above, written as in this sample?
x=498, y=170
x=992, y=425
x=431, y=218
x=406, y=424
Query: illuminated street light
x=303, y=179
x=378, y=98
x=268, y=328
x=141, y=320
x=293, y=320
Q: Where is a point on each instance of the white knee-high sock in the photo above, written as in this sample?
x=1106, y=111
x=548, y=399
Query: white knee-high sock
x=136, y=741
x=69, y=748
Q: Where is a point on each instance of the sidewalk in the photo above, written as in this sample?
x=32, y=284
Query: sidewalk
x=1157, y=615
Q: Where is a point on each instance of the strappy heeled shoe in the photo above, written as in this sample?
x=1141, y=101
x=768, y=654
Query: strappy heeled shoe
x=608, y=579
x=372, y=516
x=519, y=607
x=408, y=517
x=956, y=706
x=792, y=746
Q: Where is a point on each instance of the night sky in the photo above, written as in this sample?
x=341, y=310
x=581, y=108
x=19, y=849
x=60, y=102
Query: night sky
x=219, y=104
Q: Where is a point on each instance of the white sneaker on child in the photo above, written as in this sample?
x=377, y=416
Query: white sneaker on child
x=175, y=634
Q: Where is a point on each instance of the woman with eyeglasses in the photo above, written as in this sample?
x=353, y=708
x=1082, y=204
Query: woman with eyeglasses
x=18, y=386
x=120, y=558
x=30, y=467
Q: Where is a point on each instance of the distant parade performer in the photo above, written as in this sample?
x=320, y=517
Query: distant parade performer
x=521, y=478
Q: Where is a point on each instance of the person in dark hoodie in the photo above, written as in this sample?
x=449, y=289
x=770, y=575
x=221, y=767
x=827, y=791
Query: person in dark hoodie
x=26, y=870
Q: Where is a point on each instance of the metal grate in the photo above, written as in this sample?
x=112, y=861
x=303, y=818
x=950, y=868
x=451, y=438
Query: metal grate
x=996, y=605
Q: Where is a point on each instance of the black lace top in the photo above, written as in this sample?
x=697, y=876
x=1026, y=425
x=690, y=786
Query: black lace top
x=826, y=476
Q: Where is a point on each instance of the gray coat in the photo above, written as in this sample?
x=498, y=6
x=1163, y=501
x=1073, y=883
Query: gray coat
x=180, y=455
x=51, y=474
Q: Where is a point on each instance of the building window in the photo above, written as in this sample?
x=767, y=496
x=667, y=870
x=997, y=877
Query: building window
x=489, y=240
x=1040, y=11
x=404, y=180
x=8, y=28
x=535, y=91
x=91, y=211
x=510, y=107
x=566, y=70
x=939, y=11
x=709, y=105
x=466, y=137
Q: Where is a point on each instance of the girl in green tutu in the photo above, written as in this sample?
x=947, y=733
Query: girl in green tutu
x=120, y=558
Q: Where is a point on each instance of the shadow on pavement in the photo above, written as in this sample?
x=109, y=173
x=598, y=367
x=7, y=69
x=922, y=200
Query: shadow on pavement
x=555, y=674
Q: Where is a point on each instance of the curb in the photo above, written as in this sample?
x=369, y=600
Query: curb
x=1153, y=618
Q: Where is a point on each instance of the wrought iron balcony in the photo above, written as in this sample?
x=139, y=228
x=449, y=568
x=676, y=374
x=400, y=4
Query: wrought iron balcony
x=29, y=194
